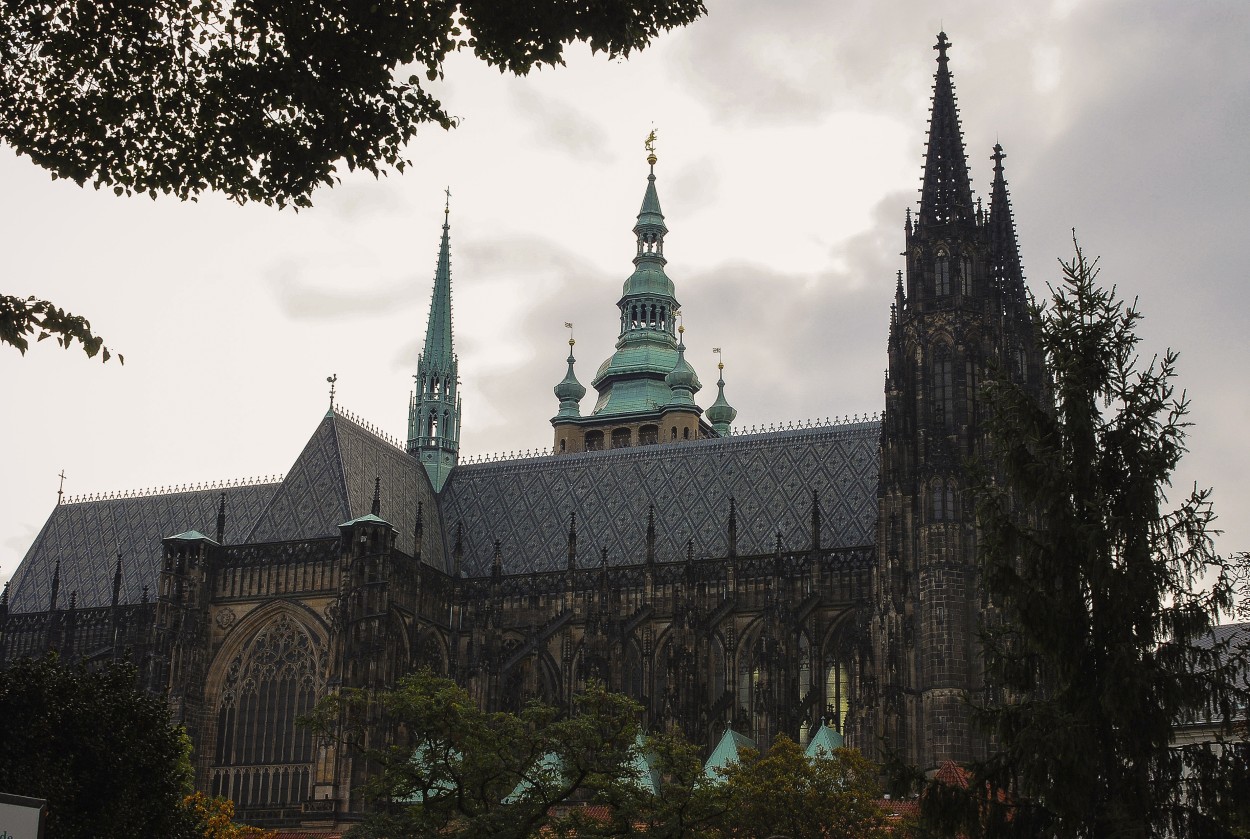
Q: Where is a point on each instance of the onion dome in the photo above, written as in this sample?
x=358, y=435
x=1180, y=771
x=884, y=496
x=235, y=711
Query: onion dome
x=570, y=391
x=682, y=379
x=720, y=413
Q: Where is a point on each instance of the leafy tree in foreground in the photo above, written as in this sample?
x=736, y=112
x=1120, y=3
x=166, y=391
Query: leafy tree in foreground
x=215, y=819
x=102, y=753
x=456, y=770
x=784, y=793
x=21, y=318
x=1106, y=598
x=263, y=100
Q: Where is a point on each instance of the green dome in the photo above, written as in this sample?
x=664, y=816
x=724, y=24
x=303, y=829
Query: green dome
x=720, y=413
x=682, y=380
x=648, y=278
x=569, y=391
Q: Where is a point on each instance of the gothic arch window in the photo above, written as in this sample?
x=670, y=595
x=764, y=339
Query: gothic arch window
x=263, y=757
x=965, y=275
x=942, y=274
x=943, y=385
x=972, y=383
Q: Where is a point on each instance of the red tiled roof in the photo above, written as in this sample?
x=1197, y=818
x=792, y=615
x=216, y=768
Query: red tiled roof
x=952, y=774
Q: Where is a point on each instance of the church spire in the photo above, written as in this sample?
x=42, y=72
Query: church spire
x=720, y=413
x=946, y=195
x=1007, y=273
x=434, y=409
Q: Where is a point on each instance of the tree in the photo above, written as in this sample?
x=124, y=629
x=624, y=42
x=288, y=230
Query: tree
x=455, y=770
x=785, y=793
x=215, y=819
x=23, y=317
x=1103, y=599
x=264, y=100
x=102, y=753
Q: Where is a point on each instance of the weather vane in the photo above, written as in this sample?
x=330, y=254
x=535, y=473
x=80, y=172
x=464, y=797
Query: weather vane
x=447, y=200
x=332, y=379
x=649, y=145
x=569, y=327
x=720, y=358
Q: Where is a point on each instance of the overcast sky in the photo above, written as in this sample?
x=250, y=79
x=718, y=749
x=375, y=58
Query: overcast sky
x=790, y=145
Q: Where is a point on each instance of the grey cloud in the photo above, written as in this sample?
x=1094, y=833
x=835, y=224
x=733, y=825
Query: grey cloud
x=301, y=300
x=556, y=123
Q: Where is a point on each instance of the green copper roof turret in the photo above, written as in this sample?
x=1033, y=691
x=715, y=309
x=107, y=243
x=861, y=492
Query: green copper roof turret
x=720, y=413
x=570, y=391
x=682, y=380
x=632, y=380
x=434, y=408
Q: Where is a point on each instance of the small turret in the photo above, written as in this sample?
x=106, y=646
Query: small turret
x=720, y=413
x=570, y=391
x=682, y=379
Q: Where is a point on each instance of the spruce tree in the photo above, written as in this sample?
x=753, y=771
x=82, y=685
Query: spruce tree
x=1101, y=598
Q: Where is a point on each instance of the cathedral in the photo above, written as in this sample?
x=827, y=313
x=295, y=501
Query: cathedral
x=759, y=582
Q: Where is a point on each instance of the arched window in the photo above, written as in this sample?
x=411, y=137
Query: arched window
x=965, y=275
x=674, y=434
x=594, y=441
x=943, y=385
x=942, y=275
x=561, y=446
x=263, y=757
x=837, y=695
x=620, y=438
x=685, y=434
x=648, y=435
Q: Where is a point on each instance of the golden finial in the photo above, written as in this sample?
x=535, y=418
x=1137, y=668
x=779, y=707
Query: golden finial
x=720, y=359
x=681, y=321
x=649, y=145
x=569, y=327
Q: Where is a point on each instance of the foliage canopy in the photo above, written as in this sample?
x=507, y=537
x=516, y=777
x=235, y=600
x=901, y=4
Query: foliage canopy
x=263, y=100
x=100, y=751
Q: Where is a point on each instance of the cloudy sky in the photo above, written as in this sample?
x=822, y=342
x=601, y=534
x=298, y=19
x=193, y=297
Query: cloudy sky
x=790, y=146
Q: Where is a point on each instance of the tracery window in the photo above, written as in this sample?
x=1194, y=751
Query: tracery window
x=263, y=757
x=943, y=392
x=942, y=275
x=965, y=276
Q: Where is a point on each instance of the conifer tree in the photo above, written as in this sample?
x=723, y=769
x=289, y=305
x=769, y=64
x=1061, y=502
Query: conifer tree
x=1101, y=596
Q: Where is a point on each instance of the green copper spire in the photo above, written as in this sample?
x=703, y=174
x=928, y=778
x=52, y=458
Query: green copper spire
x=720, y=413
x=570, y=391
x=434, y=408
x=632, y=380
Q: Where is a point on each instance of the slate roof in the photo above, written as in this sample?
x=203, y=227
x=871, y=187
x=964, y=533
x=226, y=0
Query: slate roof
x=526, y=503
x=332, y=481
x=86, y=537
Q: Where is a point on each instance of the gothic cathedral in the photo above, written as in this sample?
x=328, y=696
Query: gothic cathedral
x=759, y=581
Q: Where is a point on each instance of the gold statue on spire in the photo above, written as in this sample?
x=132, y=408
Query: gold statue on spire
x=649, y=145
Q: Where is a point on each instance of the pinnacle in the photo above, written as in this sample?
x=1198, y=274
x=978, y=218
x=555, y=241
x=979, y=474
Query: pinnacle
x=946, y=194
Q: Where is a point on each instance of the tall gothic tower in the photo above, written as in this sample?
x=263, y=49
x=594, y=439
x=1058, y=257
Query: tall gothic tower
x=963, y=308
x=434, y=408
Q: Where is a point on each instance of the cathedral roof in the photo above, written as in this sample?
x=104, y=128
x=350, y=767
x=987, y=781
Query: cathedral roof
x=333, y=481
x=85, y=537
x=526, y=503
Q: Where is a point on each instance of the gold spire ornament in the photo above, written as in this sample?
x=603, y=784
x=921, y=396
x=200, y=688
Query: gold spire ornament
x=649, y=145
